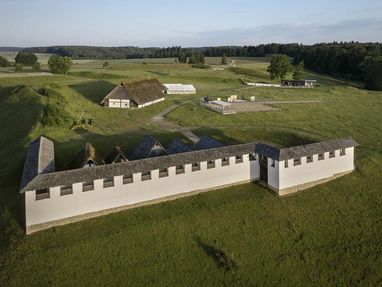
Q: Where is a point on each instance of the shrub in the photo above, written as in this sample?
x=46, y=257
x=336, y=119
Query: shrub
x=36, y=67
x=10, y=230
x=105, y=65
x=4, y=62
x=18, y=67
x=200, y=66
x=55, y=113
x=26, y=58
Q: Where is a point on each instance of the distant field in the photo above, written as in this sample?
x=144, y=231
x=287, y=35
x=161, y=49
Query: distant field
x=327, y=236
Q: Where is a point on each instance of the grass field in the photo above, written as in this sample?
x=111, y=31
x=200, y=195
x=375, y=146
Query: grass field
x=238, y=236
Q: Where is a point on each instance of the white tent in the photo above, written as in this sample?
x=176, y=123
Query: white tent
x=179, y=89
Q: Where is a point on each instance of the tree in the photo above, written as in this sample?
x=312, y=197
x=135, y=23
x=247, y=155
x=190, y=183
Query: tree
x=59, y=65
x=196, y=58
x=279, y=67
x=105, y=65
x=298, y=71
x=26, y=58
x=371, y=68
x=36, y=67
x=4, y=62
x=223, y=60
x=18, y=67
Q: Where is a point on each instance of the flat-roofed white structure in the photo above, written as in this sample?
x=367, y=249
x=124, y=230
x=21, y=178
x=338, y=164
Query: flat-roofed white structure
x=179, y=89
x=55, y=198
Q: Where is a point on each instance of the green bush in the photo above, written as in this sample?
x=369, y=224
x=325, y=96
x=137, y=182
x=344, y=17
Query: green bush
x=18, y=67
x=200, y=66
x=26, y=58
x=4, y=62
x=36, y=67
x=10, y=230
x=55, y=113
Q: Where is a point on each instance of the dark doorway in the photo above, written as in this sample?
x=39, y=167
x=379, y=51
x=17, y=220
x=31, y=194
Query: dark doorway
x=264, y=169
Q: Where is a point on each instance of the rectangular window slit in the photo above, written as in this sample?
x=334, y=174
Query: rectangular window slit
x=239, y=159
x=65, y=190
x=88, y=186
x=42, y=193
x=127, y=178
x=146, y=175
x=108, y=182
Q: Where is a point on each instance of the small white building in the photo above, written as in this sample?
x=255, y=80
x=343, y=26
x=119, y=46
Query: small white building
x=135, y=94
x=59, y=197
x=179, y=89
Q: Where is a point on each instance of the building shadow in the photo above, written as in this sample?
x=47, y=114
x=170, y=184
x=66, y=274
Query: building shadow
x=94, y=91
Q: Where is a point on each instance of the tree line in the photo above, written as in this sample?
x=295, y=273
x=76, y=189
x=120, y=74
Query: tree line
x=352, y=60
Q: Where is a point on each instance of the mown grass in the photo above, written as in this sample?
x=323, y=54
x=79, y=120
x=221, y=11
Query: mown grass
x=239, y=236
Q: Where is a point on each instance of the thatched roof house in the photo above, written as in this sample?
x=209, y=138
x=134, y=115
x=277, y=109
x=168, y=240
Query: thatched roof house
x=135, y=94
x=87, y=157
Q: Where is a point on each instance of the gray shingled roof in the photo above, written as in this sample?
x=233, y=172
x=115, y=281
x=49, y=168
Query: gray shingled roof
x=39, y=159
x=207, y=142
x=68, y=177
x=304, y=150
x=149, y=147
x=177, y=146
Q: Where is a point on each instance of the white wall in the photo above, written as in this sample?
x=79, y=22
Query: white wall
x=58, y=207
x=316, y=170
x=119, y=103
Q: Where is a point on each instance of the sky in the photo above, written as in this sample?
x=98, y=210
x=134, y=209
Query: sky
x=187, y=23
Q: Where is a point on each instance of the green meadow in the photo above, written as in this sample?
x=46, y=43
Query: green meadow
x=244, y=235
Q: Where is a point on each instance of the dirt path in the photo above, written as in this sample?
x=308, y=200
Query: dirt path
x=162, y=123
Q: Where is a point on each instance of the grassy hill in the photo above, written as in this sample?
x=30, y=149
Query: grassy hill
x=238, y=236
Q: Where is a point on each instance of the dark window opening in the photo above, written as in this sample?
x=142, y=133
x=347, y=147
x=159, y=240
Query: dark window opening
x=127, y=178
x=195, y=166
x=225, y=161
x=342, y=152
x=332, y=154
x=286, y=164
x=88, y=186
x=42, y=193
x=309, y=158
x=65, y=190
x=146, y=175
x=296, y=161
x=163, y=172
x=179, y=169
x=211, y=164
x=108, y=182
x=321, y=156
x=239, y=159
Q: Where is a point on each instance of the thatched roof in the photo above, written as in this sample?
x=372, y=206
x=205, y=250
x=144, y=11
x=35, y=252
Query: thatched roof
x=39, y=159
x=139, y=92
x=149, y=147
x=88, y=155
x=304, y=150
x=116, y=156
